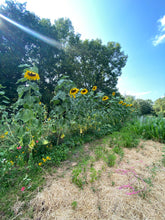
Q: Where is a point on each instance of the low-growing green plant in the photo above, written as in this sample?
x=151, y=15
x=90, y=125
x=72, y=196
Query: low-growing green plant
x=118, y=150
x=93, y=174
x=77, y=177
x=124, y=138
x=111, y=159
x=113, y=183
x=74, y=205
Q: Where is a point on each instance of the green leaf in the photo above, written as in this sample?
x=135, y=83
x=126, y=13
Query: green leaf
x=27, y=115
x=61, y=95
x=29, y=100
x=21, y=80
x=44, y=142
x=55, y=100
x=6, y=102
x=34, y=86
x=2, y=92
x=20, y=91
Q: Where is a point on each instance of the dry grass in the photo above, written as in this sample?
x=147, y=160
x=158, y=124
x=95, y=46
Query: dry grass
x=105, y=198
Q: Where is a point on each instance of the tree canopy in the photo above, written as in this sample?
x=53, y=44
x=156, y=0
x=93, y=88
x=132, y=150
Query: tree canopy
x=159, y=106
x=87, y=62
x=143, y=106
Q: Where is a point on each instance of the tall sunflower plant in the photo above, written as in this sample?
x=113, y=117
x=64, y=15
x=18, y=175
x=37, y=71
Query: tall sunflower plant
x=84, y=108
x=60, y=117
x=29, y=112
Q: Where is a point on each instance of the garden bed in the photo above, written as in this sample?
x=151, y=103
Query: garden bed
x=133, y=189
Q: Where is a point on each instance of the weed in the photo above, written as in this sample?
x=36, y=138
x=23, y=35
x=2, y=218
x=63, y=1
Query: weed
x=98, y=152
x=113, y=183
x=93, y=174
x=118, y=150
x=74, y=205
x=78, y=179
x=111, y=159
x=93, y=189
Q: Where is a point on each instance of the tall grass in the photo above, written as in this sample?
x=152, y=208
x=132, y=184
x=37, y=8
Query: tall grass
x=149, y=128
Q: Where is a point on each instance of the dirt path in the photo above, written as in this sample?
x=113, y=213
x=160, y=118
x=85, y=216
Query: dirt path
x=132, y=189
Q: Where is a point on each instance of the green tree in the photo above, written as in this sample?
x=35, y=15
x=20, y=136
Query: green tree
x=18, y=47
x=92, y=63
x=143, y=106
x=159, y=106
x=87, y=63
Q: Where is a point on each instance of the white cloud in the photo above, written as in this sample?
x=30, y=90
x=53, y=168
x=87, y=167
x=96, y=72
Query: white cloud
x=160, y=37
x=136, y=94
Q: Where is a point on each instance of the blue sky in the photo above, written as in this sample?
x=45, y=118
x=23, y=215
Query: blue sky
x=138, y=25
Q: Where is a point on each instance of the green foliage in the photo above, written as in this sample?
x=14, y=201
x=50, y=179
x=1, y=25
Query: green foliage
x=93, y=175
x=77, y=178
x=92, y=63
x=111, y=159
x=118, y=150
x=85, y=62
x=150, y=128
x=144, y=107
x=74, y=205
x=99, y=152
x=124, y=138
x=4, y=101
x=159, y=106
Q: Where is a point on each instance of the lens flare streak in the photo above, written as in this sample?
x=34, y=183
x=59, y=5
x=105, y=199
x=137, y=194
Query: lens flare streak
x=45, y=39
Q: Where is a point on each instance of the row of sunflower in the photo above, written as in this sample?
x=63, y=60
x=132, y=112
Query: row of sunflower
x=74, y=91
x=30, y=125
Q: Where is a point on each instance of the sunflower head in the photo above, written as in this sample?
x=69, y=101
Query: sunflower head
x=105, y=98
x=124, y=103
x=73, y=92
x=120, y=102
x=31, y=75
x=113, y=93
x=94, y=88
x=84, y=91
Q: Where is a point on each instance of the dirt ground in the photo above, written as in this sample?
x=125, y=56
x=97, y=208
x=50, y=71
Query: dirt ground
x=133, y=189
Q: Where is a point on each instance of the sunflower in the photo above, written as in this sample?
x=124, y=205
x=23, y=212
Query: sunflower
x=84, y=91
x=31, y=75
x=124, y=103
x=113, y=93
x=130, y=105
x=105, y=98
x=73, y=92
x=127, y=105
x=94, y=88
x=120, y=102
